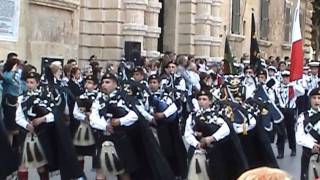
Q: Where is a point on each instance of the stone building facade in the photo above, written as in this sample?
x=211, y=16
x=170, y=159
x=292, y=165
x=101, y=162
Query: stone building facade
x=66, y=29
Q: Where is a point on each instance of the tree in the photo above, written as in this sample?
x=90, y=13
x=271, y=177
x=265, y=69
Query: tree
x=316, y=28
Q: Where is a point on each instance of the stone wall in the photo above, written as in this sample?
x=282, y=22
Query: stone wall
x=54, y=30
x=106, y=25
x=48, y=28
x=101, y=29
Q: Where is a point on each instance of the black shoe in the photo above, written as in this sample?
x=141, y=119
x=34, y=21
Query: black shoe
x=280, y=156
x=293, y=153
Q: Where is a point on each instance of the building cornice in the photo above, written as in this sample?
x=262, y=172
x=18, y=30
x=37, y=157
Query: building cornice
x=236, y=37
x=59, y=4
x=264, y=43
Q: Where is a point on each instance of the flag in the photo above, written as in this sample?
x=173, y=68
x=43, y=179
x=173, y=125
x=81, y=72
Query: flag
x=254, y=47
x=296, y=67
x=228, y=66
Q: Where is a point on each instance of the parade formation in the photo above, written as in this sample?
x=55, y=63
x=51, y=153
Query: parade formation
x=177, y=117
x=154, y=115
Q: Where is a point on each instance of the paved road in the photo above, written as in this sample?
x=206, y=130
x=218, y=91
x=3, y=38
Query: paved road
x=289, y=164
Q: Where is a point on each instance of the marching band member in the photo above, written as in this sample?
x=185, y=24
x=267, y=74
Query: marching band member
x=246, y=121
x=111, y=115
x=307, y=134
x=34, y=117
x=116, y=112
x=83, y=137
x=59, y=99
x=249, y=81
x=207, y=131
x=272, y=74
x=266, y=92
x=167, y=126
x=287, y=94
x=313, y=81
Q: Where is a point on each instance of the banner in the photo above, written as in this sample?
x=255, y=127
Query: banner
x=9, y=19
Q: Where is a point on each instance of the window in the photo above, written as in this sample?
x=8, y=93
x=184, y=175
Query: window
x=264, y=20
x=235, y=28
x=287, y=23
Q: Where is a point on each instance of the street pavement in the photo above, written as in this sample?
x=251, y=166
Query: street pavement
x=289, y=164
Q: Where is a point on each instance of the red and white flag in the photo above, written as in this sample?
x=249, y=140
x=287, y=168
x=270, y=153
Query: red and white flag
x=296, y=68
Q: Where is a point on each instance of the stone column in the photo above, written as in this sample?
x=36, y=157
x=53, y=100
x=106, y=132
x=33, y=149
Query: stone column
x=100, y=30
x=186, y=26
x=134, y=28
x=216, y=29
x=171, y=19
x=203, y=20
x=153, y=31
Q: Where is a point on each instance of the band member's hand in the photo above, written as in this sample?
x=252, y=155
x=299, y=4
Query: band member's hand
x=159, y=116
x=38, y=121
x=115, y=122
x=316, y=148
x=110, y=128
x=206, y=141
x=198, y=134
x=30, y=128
x=154, y=122
x=198, y=146
x=88, y=114
x=87, y=117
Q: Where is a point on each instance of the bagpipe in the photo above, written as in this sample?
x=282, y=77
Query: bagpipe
x=33, y=108
x=204, y=124
x=110, y=109
x=160, y=106
x=109, y=159
x=132, y=89
x=84, y=135
x=84, y=104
